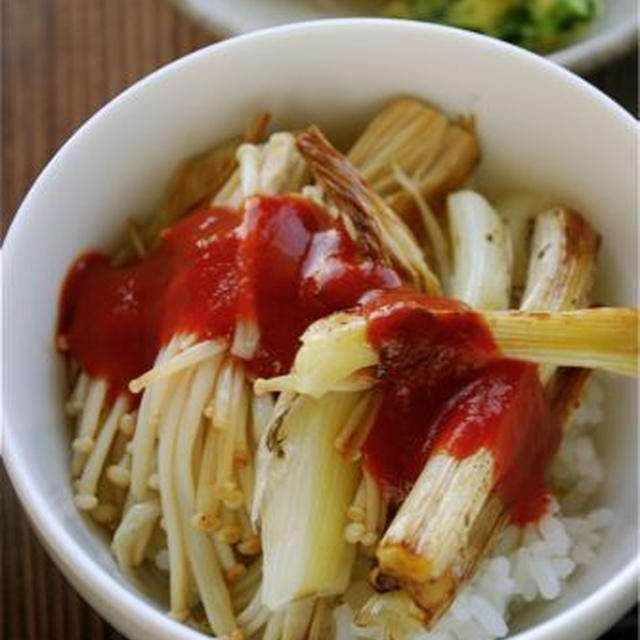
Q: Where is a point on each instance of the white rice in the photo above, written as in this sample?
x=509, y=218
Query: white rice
x=530, y=564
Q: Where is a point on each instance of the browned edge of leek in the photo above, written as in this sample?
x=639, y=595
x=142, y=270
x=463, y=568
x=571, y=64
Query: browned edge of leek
x=432, y=568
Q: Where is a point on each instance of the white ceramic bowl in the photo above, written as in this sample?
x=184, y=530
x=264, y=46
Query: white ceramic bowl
x=611, y=34
x=539, y=127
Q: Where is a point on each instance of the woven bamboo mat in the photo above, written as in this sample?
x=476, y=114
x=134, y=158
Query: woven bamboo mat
x=62, y=60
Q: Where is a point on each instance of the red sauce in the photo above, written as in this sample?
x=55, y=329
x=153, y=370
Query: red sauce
x=116, y=319
x=446, y=387
x=287, y=265
x=281, y=263
x=198, y=290
x=296, y=265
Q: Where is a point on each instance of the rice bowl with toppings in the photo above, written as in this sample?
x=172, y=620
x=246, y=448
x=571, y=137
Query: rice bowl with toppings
x=306, y=360
x=497, y=322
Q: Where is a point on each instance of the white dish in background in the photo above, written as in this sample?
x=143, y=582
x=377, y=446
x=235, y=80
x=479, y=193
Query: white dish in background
x=570, y=141
x=610, y=35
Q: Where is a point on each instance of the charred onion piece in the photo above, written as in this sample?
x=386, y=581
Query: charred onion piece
x=562, y=263
x=308, y=490
x=335, y=348
x=481, y=252
x=603, y=338
x=436, y=155
x=379, y=231
x=452, y=516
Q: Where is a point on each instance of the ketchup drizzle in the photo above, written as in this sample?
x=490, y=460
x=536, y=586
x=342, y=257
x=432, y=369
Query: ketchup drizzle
x=447, y=388
x=288, y=264
x=279, y=264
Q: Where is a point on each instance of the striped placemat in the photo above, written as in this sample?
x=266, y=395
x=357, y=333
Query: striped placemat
x=62, y=60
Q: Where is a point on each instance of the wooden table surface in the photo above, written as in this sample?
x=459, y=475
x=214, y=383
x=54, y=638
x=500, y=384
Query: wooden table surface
x=62, y=60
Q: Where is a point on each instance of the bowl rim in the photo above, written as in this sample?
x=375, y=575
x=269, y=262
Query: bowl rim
x=122, y=610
